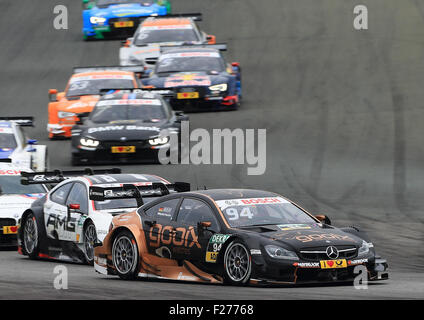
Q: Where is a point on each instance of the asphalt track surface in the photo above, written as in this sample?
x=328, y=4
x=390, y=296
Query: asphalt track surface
x=343, y=111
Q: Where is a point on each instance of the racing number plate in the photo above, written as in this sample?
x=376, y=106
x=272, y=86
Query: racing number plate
x=125, y=149
x=10, y=230
x=187, y=95
x=333, y=264
x=124, y=24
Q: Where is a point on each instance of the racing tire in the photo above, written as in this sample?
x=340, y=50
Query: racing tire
x=30, y=237
x=125, y=257
x=89, y=238
x=237, y=264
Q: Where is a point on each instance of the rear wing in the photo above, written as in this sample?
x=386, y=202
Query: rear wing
x=22, y=121
x=194, y=16
x=162, y=92
x=135, y=69
x=57, y=176
x=218, y=46
x=6, y=160
x=131, y=191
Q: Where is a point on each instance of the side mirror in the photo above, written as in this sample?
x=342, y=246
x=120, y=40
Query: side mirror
x=126, y=43
x=211, y=39
x=149, y=223
x=81, y=117
x=236, y=67
x=73, y=208
x=181, y=116
x=52, y=95
x=323, y=219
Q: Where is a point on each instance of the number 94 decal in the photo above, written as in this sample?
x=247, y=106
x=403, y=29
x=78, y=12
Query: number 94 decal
x=215, y=245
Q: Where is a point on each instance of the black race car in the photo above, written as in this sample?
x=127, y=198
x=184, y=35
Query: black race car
x=233, y=236
x=126, y=127
x=199, y=76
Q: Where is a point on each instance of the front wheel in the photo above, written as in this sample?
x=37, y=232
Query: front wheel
x=125, y=255
x=237, y=264
x=90, y=237
x=30, y=238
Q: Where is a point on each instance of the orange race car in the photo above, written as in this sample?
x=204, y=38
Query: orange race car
x=82, y=93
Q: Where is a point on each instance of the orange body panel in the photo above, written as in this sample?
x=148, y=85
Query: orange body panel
x=61, y=127
x=150, y=265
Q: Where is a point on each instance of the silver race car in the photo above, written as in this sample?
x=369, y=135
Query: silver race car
x=153, y=33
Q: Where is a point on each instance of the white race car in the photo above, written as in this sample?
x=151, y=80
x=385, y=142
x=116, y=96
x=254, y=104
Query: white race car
x=67, y=223
x=15, y=198
x=14, y=144
x=143, y=49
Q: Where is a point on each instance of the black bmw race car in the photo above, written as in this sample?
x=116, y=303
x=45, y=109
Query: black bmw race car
x=126, y=127
x=234, y=236
x=200, y=77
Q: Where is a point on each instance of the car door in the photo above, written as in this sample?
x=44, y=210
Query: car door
x=194, y=239
x=77, y=196
x=159, y=228
x=55, y=210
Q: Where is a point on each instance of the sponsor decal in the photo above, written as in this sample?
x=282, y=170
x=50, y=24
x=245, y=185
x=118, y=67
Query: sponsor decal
x=320, y=237
x=255, y=252
x=333, y=264
x=187, y=80
x=223, y=204
x=10, y=172
x=168, y=27
x=289, y=227
x=6, y=130
x=306, y=264
x=119, y=128
x=151, y=102
x=159, y=235
x=215, y=246
x=101, y=77
x=10, y=229
x=189, y=55
x=356, y=262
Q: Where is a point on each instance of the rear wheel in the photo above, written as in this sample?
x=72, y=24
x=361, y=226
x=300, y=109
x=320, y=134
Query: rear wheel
x=30, y=238
x=125, y=255
x=90, y=237
x=237, y=264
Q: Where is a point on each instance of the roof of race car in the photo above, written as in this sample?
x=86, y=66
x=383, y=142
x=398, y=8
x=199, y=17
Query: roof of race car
x=124, y=178
x=226, y=194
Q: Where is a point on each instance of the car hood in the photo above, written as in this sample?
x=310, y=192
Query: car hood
x=129, y=130
x=299, y=236
x=128, y=10
x=184, y=79
x=151, y=50
x=78, y=104
x=12, y=206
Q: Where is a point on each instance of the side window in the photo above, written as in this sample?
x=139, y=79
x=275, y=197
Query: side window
x=60, y=194
x=163, y=210
x=78, y=195
x=193, y=211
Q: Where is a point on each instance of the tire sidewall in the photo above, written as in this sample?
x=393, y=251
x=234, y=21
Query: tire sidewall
x=131, y=274
x=227, y=278
x=34, y=253
x=87, y=260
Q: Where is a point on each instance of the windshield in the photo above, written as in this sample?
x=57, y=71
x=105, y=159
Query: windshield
x=150, y=35
x=7, y=141
x=262, y=211
x=109, y=2
x=92, y=87
x=12, y=185
x=152, y=112
x=118, y=204
x=186, y=62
